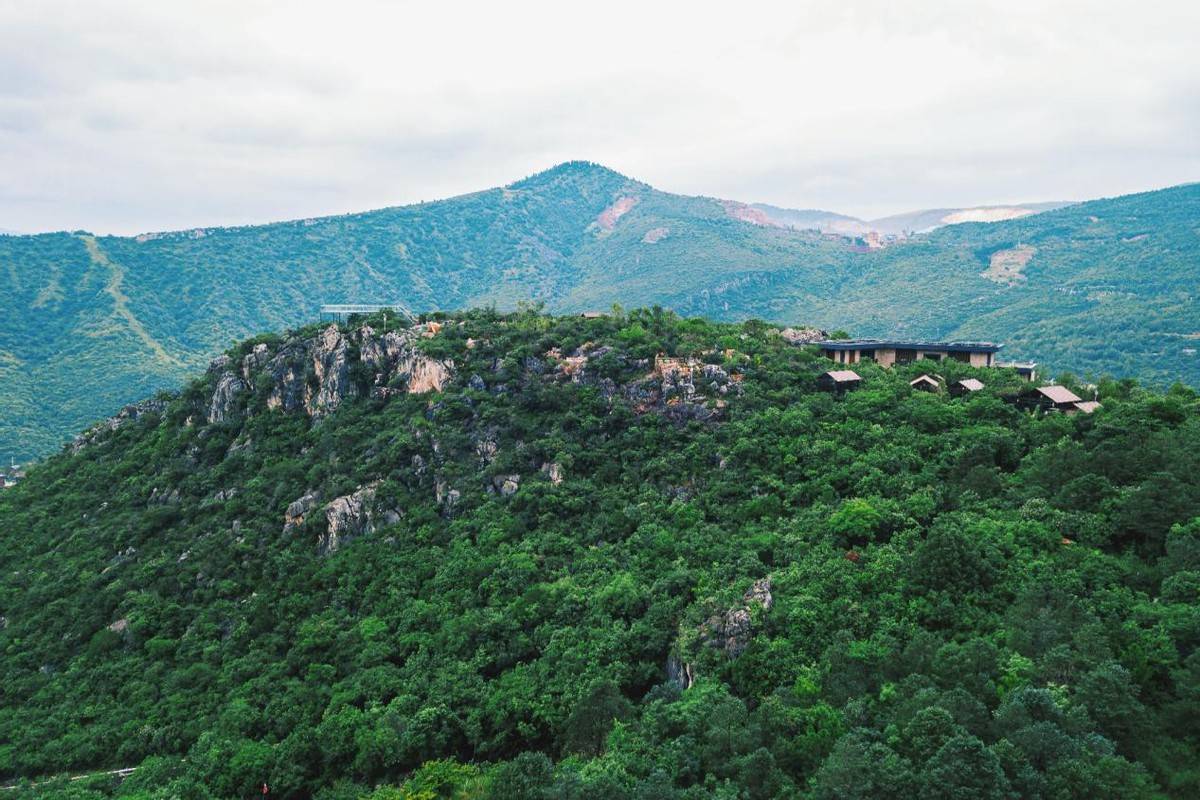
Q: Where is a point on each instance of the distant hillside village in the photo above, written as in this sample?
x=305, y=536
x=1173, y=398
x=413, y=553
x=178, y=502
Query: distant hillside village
x=889, y=352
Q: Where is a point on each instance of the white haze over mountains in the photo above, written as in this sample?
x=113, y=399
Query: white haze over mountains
x=132, y=116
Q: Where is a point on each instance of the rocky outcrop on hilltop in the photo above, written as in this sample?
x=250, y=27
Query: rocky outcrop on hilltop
x=228, y=386
x=315, y=375
x=128, y=414
x=803, y=335
x=681, y=389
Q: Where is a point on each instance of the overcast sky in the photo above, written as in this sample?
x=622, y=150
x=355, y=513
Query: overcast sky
x=126, y=117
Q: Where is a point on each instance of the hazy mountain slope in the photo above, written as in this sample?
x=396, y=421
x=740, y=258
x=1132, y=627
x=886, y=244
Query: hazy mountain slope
x=454, y=555
x=95, y=323
x=812, y=219
x=927, y=219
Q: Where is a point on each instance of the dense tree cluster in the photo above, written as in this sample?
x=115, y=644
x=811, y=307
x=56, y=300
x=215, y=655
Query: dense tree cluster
x=967, y=600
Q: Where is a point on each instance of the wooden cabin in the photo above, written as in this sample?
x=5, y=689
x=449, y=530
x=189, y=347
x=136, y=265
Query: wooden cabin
x=1049, y=398
x=887, y=352
x=965, y=386
x=839, y=380
x=925, y=383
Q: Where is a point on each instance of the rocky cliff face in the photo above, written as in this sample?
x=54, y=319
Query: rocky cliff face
x=128, y=414
x=315, y=375
x=727, y=632
x=312, y=375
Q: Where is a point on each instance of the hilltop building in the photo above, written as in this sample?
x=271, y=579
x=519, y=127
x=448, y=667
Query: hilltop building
x=1026, y=369
x=887, y=352
x=839, y=380
x=1056, y=398
x=965, y=386
x=926, y=383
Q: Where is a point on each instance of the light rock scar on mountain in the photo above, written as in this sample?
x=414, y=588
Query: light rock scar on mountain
x=607, y=219
x=1005, y=266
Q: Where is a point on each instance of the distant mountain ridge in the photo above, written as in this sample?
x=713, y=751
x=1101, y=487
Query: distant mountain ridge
x=905, y=224
x=95, y=322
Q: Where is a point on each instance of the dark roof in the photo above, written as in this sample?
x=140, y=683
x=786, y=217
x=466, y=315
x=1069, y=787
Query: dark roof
x=842, y=375
x=909, y=344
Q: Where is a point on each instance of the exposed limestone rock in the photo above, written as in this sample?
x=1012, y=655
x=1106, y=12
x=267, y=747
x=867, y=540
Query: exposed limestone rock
x=255, y=360
x=316, y=375
x=120, y=626
x=506, y=485
x=299, y=509
x=394, y=357
x=354, y=515
x=423, y=374
x=446, y=497
x=553, y=471
x=329, y=363
x=655, y=235
x=224, y=397
x=220, y=496
x=759, y=594
x=124, y=417
x=486, y=449
x=287, y=378
x=680, y=672
x=346, y=517
x=731, y=631
x=164, y=497
x=803, y=335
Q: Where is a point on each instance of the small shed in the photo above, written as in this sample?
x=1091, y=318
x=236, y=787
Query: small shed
x=925, y=383
x=965, y=386
x=839, y=380
x=1050, y=398
x=1087, y=406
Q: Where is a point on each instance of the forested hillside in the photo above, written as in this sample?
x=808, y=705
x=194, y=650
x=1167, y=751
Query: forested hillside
x=517, y=556
x=92, y=323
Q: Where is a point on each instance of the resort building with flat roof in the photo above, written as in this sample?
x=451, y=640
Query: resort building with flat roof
x=887, y=352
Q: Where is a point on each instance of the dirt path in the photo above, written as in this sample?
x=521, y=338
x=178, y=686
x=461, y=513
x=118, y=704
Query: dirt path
x=121, y=301
x=122, y=772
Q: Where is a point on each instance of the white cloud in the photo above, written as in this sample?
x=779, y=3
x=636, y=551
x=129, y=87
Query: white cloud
x=123, y=116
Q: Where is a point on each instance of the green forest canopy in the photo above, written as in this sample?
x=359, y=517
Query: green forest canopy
x=967, y=600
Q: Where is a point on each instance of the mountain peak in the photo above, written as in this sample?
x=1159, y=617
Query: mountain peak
x=573, y=171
